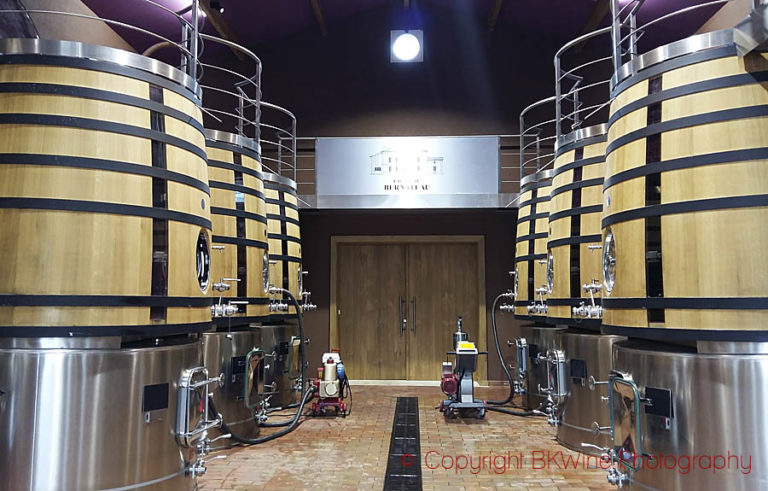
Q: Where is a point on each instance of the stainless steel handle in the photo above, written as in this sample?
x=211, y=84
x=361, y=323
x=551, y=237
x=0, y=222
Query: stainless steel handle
x=401, y=319
x=413, y=315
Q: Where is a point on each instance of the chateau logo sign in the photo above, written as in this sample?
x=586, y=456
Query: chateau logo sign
x=406, y=171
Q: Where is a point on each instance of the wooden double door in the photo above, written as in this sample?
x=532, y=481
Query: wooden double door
x=397, y=306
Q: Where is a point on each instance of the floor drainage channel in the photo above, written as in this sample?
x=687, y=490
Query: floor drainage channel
x=404, y=462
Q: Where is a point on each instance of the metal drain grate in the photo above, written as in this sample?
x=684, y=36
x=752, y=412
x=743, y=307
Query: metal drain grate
x=404, y=463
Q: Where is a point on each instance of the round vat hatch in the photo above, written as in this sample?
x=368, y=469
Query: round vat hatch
x=203, y=261
x=609, y=261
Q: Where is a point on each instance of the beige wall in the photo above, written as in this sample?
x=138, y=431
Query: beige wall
x=69, y=28
x=728, y=16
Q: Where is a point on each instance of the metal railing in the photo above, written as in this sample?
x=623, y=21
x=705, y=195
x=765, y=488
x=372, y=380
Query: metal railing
x=278, y=140
x=231, y=97
x=627, y=30
x=508, y=147
x=582, y=89
x=537, y=136
x=188, y=44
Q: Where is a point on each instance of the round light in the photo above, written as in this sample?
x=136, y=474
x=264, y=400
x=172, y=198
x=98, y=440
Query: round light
x=406, y=47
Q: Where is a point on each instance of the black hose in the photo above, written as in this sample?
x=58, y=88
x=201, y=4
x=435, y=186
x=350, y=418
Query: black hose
x=349, y=391
x=255, y=441
x=284, y=423
x=511, y=394
x=283, y=408
x=509, y=411
x=306, y=394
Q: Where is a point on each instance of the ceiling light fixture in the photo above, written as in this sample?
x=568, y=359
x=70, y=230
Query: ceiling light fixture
x=407, y=46
x=217, y=6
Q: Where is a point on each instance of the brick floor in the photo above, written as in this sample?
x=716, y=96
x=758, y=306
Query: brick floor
x=351, y=453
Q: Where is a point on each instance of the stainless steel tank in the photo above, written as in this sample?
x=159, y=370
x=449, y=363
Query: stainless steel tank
x=539, y=340
x=281, y=366
x=84, y=413
x=584, y=415
x=692, y=419
x=226, y=353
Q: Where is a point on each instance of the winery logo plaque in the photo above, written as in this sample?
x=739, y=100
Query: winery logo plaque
x=406, y=172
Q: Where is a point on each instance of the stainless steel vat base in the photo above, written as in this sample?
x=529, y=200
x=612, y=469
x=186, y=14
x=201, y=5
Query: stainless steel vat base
x=587, y=355
x=226, y=352
x=718, y=410
x=540, y=339
x=92, y=418
x=279, y=355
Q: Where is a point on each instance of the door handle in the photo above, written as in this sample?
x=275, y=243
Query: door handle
x=402, y=319
x=413, y=315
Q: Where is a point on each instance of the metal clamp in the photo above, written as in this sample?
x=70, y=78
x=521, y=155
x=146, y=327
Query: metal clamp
x=541, y=307
x=592, y=383
x=278, y=306
x=231, y=308
x=605, y=451
x=597, y=429
x=609, y=455
x=510, y=294
x=592, y=311
x=228, y=309
x=204, y=446
x=617, y=478
x=198, y=468
x=224, y=285
x=307, y=306
x=550, y=410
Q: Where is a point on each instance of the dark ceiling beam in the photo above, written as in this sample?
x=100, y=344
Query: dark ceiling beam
x=221, y=26
x=493, y=15
x=602, y=8
x=320, y=17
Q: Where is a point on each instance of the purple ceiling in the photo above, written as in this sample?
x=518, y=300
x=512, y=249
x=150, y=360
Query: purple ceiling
x=255, y=22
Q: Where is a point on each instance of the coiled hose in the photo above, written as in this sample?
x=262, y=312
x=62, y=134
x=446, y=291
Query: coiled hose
x=306, y=393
